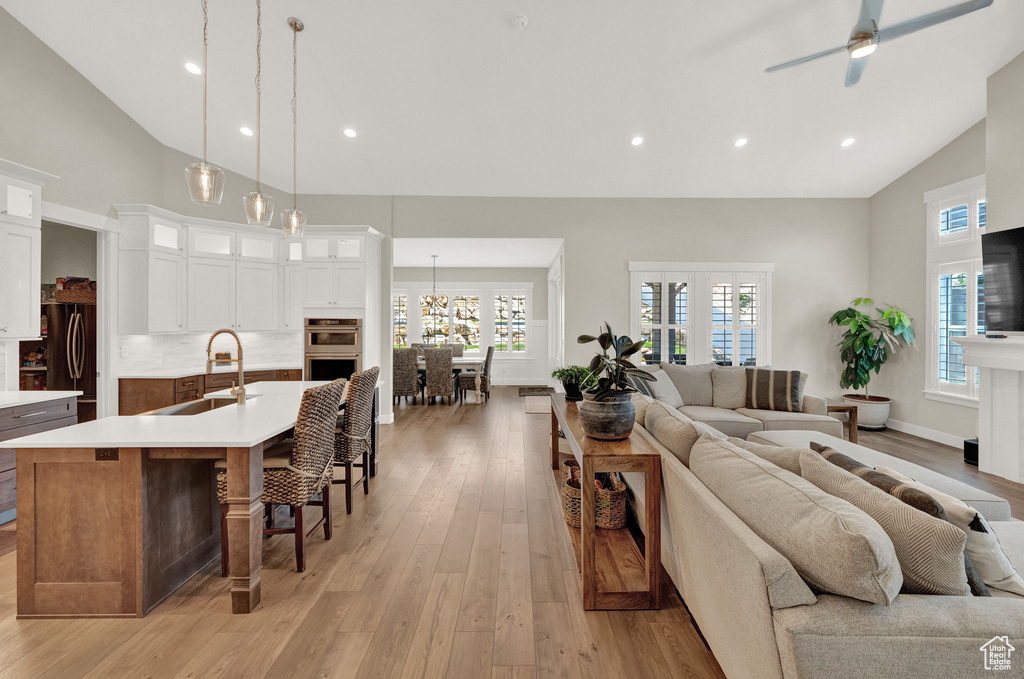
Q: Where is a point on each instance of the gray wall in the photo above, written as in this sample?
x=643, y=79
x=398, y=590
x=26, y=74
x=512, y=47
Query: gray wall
x=67, y=251
x=1004, y=180
x=539, y=278
x=898, y=269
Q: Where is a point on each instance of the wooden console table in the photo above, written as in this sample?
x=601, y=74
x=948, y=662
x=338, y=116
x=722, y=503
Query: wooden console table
x=851, y=419
x=617, y=574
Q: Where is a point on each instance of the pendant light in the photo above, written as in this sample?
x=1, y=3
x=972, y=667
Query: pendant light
x=293, y=221
x=259, y=207
x=205, y=181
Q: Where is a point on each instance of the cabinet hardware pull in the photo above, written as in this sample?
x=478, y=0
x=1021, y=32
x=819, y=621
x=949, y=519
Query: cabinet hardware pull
x=41, y=412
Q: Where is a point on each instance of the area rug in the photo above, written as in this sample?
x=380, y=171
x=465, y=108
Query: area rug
x=537, y=405
x=535, y=391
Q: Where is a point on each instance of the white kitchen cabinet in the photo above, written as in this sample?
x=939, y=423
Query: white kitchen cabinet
x=211, y=243
x=20, y=257
x=211, y=294
x=294, y=291
x=258, y=296
x=329, y=248
x=165, y=304
x=253, y=248
x=350, y=285
x=319, y=285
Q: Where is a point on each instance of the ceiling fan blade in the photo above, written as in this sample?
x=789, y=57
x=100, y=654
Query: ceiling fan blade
x=854, y=70
x=870, y=15
x=803, y=60
x=937, y=17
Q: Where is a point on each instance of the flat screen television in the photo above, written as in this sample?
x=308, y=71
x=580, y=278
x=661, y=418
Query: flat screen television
x=1002, y=254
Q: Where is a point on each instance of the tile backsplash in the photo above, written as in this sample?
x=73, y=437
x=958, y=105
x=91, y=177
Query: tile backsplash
x=155, y=352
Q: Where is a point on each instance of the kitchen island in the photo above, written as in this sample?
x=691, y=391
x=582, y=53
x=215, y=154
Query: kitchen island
x=115, y=514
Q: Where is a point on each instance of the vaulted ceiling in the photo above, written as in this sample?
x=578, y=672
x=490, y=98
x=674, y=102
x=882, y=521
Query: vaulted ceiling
x=449, y=98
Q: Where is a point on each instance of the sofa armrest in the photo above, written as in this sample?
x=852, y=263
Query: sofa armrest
x=815, y=405
x=916, y=636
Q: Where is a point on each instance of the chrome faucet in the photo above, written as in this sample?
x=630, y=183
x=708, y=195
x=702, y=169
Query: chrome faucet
x=238, y=391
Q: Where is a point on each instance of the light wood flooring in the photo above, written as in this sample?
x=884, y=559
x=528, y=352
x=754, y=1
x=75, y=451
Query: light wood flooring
x=456, y=565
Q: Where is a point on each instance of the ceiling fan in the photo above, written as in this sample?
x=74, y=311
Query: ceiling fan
x=866, y=36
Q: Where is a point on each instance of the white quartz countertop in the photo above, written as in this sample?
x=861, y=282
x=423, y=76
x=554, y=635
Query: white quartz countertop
x=9, y=399
x=272, y=409
x=175, y=373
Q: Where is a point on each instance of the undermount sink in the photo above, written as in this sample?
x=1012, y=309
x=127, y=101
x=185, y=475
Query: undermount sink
x=203, y=405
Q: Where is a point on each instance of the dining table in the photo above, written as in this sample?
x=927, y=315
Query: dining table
x=460, y=363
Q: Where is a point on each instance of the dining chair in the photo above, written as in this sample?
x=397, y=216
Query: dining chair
x=406, y=375
x=295, y=470
x=458, y=350
x=352, y=432
x=467, y=380
x=439, y=374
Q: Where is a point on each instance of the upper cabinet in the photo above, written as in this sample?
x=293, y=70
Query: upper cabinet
x=328, y=248
x=20, y=249
x=215, y=243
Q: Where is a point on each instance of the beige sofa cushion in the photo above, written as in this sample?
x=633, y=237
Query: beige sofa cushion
x=640, y=403
x=930, y=550
x=729, y=422
x=730, y=386
x=780, y=456
x=779, y=420
x=693, y=382
x=833, y=545
x=664, y=390
x=674, y=430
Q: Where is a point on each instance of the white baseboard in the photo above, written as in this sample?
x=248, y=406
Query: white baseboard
x=387, y=418
x=925, y=433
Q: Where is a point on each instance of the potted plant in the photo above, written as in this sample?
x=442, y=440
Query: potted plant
x=867, y=343
x=606, y=411
x=574, y=379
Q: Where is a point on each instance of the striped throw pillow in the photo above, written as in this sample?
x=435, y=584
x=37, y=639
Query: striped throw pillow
x=773, y=389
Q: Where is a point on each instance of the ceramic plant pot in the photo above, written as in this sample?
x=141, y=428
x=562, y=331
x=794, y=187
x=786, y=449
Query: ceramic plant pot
x=610, y=419
x=572, y=391
x=872, y=411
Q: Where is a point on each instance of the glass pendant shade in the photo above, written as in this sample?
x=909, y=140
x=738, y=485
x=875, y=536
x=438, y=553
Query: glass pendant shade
x=205, y=183
x=293, y=222
x=259, y=208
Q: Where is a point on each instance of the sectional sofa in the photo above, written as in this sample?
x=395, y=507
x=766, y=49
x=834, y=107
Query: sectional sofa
x=763, y=621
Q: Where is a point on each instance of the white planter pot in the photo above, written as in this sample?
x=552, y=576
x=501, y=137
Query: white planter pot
x=872, y=412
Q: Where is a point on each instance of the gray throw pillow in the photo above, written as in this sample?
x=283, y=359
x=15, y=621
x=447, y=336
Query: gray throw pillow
x=693, y=382
x=674, y=430
x=730, y=386
x=782, y=456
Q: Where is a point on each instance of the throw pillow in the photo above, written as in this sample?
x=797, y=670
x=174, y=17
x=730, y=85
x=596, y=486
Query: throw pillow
x=930, y=551
x=834, y=546
x=982, y=544
x=675, y=431
x=665, y=391
x=641, y=385
x=774, y=390
x=693, y=382
x=640, y=403
x=912, y=496
x=781, y=456
x=730, y=386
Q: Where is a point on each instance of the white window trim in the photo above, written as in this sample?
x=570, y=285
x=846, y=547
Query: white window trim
x=486, y=291
x=698, y=276
x=945, y=254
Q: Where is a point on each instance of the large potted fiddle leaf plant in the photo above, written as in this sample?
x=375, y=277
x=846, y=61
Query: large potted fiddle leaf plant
x=607, y=409
x=868, y=341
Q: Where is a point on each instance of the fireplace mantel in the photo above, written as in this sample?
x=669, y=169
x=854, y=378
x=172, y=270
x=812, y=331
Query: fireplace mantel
x=1000, y=403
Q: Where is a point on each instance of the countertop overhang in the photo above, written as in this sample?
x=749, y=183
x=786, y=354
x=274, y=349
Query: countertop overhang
x=10, y=399
x=175, y=373
x=273, y=409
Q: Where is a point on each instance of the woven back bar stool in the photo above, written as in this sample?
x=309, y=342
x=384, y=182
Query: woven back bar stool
x=295, y=470
x=352, y=432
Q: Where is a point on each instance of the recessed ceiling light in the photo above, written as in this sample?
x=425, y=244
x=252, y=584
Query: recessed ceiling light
x=246, y=131
x=193, y=69
x=636, y=141
x=349, y=132
x=742, y=141
x=849, y=141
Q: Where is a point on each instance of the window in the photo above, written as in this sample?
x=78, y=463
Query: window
x=702, y=312
x=955, y=288
x=400, y=314
x=477, y=315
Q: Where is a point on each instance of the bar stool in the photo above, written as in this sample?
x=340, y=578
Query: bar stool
x=352, y=432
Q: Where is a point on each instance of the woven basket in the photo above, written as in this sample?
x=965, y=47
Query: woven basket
x=76, y=296
x=609, y=504
x=567, y=467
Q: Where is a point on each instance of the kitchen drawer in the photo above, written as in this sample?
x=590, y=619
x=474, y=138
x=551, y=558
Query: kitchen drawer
x=8, y=493
x=219, y=381
x=192, y=383
x=258, y=376
x=8, y=458
x=292, y=375
x=185, y=396
x=32, y=413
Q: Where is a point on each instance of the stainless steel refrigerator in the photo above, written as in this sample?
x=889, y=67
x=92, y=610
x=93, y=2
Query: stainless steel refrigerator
x=71, y=353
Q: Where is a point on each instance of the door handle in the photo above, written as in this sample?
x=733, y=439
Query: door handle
x=80, y=353
x=68, y=351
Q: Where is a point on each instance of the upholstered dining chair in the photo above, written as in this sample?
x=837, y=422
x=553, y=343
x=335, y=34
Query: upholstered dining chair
x=467, y=380
x=439, y=374
x=352, y=432
x=457, y=349
x=405, y=375
x=295, y=470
